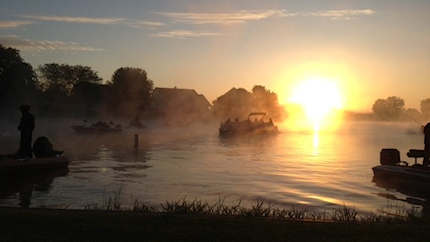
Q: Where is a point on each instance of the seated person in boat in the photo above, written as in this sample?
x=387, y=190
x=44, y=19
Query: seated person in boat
x=42, y=148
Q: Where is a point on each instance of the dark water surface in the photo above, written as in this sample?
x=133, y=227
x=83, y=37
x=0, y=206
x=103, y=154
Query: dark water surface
x=319, y=171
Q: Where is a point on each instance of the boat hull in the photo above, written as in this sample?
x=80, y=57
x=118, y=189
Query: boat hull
x=12, y=166
x=250, y=131
x=95, y=130
x=402, y=172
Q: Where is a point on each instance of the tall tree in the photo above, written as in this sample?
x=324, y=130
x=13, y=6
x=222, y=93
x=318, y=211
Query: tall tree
x=17, y=79
x=266, y=101
x=65, y=77
x=58, y=83
x=388, y=109
x=129, y=92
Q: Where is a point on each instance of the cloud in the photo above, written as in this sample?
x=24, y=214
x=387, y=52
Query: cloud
x=182, y=34
x=13, y=24
x=226, y=18
x=139, y=24
x=245, y=16
x=74, y=19
x=105, y=21
x=342, y=14
x=40, y=46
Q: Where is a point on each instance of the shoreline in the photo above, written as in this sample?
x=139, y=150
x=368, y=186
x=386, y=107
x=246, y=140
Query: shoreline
x=91, y=225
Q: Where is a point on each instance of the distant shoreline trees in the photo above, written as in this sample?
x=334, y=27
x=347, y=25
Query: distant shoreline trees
x=61, y=90
x=388, y=109
x=392, y=109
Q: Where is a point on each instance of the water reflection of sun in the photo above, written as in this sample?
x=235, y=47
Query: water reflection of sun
x=319, y=98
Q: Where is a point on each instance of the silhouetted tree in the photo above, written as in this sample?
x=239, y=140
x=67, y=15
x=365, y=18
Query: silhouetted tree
x=129, y=92
x=388, y=109
x=58, y=83
x=266, y=101
x=17, y=80
x=65, y=76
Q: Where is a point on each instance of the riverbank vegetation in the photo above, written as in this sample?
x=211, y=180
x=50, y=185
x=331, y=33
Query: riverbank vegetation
x=262, y=209
x=197, y=221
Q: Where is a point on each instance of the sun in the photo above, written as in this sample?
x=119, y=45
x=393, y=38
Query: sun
x=318, y=97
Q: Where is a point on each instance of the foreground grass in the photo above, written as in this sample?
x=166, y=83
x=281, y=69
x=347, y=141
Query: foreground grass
x=196, y=220
x=95, y=225
x=259, y=209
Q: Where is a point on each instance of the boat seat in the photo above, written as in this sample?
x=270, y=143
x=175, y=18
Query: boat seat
x=415, y=154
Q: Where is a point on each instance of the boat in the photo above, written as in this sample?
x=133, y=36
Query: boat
x=258, y=126
x=393, y=168
x=13, y=166
x=136, y=123
x=97, y=128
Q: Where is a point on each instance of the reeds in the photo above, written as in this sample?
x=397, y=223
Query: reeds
x=260, y=209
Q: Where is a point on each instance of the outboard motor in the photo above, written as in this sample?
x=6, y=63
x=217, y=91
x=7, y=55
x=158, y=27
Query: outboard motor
x=390, y=157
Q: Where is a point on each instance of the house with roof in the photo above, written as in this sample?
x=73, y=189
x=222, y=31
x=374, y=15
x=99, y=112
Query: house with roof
x=178, y=106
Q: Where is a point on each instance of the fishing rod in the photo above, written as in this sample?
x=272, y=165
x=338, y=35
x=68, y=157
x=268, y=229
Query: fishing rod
x=411, y=118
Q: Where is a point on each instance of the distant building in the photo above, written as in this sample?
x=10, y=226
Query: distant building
x=180, y=106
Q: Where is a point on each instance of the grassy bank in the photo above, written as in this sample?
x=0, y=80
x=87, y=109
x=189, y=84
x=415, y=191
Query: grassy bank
x=92, y=225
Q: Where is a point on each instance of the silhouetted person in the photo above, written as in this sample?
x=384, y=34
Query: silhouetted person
x=426, y=132
x=26, y=127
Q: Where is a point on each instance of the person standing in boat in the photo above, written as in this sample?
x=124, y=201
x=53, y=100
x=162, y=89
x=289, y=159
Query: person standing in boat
x=426, y=132
x=26, y=126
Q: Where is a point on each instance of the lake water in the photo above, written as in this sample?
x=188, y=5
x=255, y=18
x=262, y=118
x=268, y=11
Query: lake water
x=319, y=171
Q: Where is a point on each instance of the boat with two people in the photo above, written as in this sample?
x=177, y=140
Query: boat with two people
x=257, y=126
x=46, y=159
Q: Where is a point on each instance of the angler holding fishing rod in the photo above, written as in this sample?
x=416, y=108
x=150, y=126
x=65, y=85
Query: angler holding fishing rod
x=426, y=131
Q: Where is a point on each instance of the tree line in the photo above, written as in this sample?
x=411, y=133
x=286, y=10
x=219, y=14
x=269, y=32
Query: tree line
x=62, y=90
x=392, y=109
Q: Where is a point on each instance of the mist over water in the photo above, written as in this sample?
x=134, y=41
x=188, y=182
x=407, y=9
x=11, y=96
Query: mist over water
x=318, y=171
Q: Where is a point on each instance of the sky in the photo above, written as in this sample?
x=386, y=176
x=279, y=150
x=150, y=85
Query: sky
x=367, y=49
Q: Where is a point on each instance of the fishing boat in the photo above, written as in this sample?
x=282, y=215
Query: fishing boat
x=13, y=166
x=393, y=168
x=97, y=128
x=257, y=126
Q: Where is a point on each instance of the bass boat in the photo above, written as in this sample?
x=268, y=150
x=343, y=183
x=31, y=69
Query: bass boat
x=393, y=168
x=13, y=166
